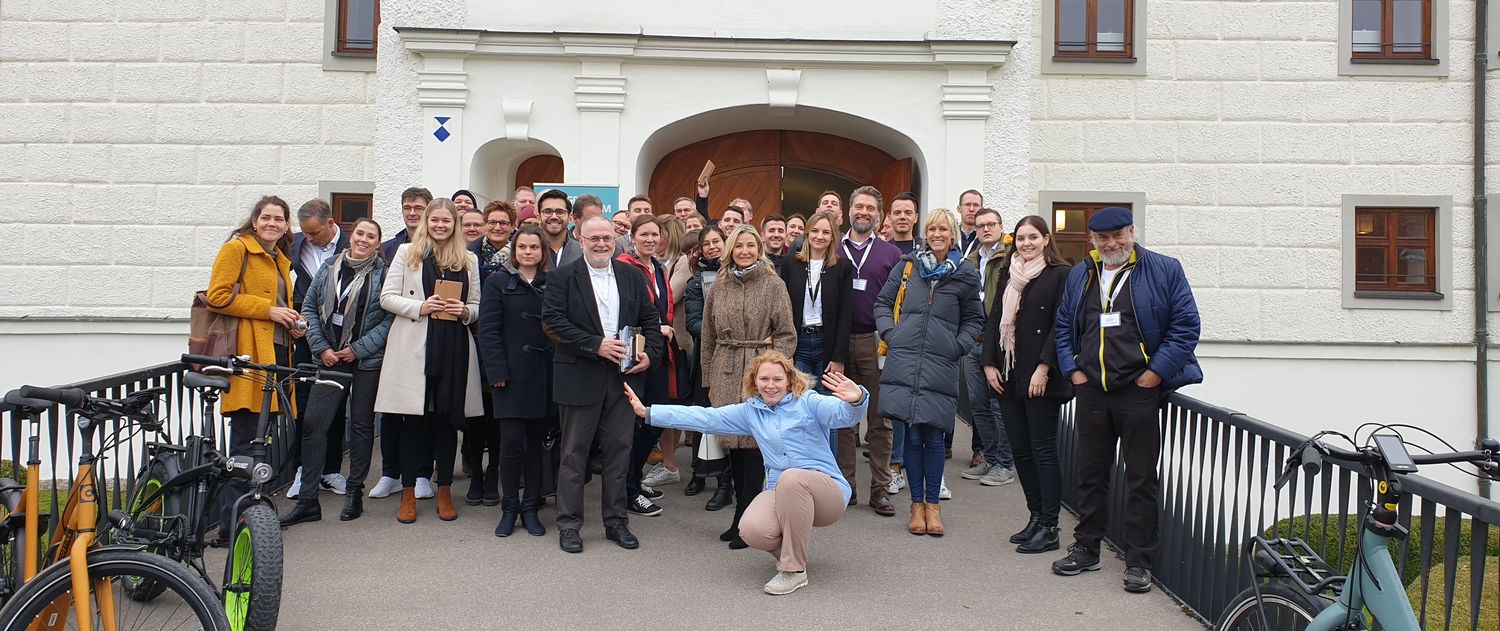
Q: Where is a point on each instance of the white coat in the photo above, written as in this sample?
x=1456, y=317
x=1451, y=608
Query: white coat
x=403, y=384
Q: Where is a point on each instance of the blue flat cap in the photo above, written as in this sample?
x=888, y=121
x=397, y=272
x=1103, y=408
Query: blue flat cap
x=1110, y=219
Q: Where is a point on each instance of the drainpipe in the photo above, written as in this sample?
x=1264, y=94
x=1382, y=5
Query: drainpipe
x=1481, y=254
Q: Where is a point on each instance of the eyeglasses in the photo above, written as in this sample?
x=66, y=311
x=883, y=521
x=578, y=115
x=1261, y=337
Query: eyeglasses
x=497, y=223
x=413, y=208
x=989, y=225
x=554, y=212
x=601, y=239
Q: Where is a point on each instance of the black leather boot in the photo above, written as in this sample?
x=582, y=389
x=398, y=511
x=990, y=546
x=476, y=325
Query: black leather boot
x=475, y=495
x=510, y=509
x=694, y=486
x=1031, y=527
x=354, y=504
x=1044, y=540
x=529, y=518
x=723, y=496
x=305, y=510
x=492, y=485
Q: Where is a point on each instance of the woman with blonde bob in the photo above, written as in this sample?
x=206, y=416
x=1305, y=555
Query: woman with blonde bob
x=790, y=422
x=429, y=384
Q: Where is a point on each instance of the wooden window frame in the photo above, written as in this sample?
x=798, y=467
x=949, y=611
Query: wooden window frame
x=1091, y=29
x=1060, y=237
x=341, y=46
x=1393, y=244
x=337, y=201
x=1387, y=52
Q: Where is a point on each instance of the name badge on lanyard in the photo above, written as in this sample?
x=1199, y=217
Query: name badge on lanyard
x=337, y=319
x=859, y=283
x=1111, y=318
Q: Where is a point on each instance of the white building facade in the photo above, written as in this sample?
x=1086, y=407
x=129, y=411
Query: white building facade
x=1261, y=142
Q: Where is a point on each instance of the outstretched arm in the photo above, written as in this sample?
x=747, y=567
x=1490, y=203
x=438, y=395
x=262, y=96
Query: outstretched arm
x=729, y=419
x=846, y=408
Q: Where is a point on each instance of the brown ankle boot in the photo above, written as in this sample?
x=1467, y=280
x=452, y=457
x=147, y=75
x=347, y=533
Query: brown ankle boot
x=407, y=512
x=935, y=520
x=446, y=511
x=918, y=525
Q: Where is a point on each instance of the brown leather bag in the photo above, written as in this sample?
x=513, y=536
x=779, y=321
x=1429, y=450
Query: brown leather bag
x=210, y=333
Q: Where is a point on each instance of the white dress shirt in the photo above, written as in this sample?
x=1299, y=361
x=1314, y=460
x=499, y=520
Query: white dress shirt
x=812, y=294
x=313, y=254
x=606, y=297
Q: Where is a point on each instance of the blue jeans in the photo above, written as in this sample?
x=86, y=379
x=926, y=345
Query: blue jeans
x=809, y=360
x=924, y=462
x=898, y=438
x=984, y=411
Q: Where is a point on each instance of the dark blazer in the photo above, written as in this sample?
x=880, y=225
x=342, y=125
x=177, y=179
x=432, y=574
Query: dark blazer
x=1035, y=333
x=301, y=276
x=572, y=316
x=388, y=248
x=513, y=347
x=837, y=292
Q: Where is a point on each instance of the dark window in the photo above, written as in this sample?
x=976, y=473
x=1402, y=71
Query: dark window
x=1070, y=227
x=357, y=22
x=1395, y=249
x=1391, y=30
x=349, y=207
x=1095, y=29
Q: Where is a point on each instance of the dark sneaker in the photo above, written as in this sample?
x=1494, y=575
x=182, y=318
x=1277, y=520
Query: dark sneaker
x=1137, y=580
x=651, y=494
x=1079, y=559
x=642, y=506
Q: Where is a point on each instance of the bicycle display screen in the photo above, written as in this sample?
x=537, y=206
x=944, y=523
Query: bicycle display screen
x=1394, y=452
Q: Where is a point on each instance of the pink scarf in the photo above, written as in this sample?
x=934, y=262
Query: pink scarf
x=1022, y=272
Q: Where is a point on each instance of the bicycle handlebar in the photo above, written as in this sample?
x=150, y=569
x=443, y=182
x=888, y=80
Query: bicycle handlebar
x=71, y=397
x=1487, y=458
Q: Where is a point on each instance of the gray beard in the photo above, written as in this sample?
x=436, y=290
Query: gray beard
x=862, y=227
x=1114, y=259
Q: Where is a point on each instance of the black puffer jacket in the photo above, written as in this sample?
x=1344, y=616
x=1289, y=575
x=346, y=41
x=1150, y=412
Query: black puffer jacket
x=939, y=323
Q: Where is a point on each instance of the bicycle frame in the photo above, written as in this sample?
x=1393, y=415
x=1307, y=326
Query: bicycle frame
x=78, y=532
x=1373, y=582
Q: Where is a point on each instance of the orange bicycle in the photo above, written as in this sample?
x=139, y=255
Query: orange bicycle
x=82, y=584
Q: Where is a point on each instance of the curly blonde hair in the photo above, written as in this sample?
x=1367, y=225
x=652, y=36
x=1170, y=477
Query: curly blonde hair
x=797, y=382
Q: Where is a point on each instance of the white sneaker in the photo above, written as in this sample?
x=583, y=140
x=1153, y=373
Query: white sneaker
x=424, y=489
x=786, y=582
x=943, y=492
x=335, y=482
x=898, y=481
x=296, y=487
x=661, y=476
x=385, y=487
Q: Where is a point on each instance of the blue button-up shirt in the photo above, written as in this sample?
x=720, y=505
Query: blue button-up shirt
x=791, y=435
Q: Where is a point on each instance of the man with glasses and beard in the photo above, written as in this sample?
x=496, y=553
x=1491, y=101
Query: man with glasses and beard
x=554, y=210
x=1126, y=332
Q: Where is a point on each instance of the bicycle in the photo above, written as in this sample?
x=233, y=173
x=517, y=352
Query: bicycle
x=172, y=506
x=81, y=576
x=1298, y=579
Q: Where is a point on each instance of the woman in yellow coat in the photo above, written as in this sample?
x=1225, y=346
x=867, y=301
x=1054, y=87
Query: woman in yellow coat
x=268, y=324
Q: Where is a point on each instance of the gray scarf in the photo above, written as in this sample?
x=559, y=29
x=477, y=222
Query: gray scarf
x=362, y=270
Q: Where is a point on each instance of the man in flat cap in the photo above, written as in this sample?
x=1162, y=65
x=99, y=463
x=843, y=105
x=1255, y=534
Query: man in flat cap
x=1125, y=334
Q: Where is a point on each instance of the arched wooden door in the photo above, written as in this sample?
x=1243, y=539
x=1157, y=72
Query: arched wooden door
x=749, y=164
x=543, y=168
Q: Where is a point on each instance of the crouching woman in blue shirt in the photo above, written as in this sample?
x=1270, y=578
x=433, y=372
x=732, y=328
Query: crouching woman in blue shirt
x=790, y=423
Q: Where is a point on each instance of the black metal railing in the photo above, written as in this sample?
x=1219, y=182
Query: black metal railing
x=1218, y=475
x=120, y=460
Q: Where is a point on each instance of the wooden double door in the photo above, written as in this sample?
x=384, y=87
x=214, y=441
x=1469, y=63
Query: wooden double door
x=749, y=164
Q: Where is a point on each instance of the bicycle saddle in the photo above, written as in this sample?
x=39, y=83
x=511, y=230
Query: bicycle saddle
x=197, y=380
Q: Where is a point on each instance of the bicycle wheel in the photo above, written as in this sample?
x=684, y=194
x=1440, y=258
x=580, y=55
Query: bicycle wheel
x=12, y=541
x=47, y=601
x=1281, y=608
x=150, y=517
x=252, y=573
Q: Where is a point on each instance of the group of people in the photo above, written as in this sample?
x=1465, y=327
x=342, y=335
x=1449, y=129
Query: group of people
x=538, y=320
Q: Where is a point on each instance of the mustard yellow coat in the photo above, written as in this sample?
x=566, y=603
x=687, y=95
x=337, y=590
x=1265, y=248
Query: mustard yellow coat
x=257, y=334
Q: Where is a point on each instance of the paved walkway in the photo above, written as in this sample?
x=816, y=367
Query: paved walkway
x=866, y=572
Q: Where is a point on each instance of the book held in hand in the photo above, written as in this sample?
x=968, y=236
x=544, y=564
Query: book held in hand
x=447, y=290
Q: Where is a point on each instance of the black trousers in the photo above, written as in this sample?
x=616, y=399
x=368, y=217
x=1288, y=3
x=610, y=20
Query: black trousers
x=643, y=441
x=327, y=407
x=520, y=456
x=748, y=468
x=613, y=423
x=333, y=458
x=1031, y=425
x=424, y=438
x=1130, y=417
x=390, y=448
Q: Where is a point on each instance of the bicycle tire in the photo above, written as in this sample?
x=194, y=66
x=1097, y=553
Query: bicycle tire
x=50, y=595
x=1285, y=608
x=148, y=481
x=252, y=572
x=12, y=544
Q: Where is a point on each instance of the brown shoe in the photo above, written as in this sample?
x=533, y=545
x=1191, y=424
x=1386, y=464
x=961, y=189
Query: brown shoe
x=407, y=512
x=918, y=525
x=935, y=520
x=880, y=502
x=446, y=511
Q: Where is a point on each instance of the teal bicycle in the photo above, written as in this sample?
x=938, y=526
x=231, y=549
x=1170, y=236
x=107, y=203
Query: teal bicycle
x=1293, y=586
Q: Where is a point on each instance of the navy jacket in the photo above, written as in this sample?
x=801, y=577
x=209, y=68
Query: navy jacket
x=513, y=347
x=369, y=343
x=1164, y=310
x=301, y=276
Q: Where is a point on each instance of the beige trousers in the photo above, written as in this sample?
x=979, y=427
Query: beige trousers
x=780, y=521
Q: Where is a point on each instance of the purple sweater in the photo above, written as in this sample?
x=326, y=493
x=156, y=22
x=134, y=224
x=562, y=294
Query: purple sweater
x=875, y=270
